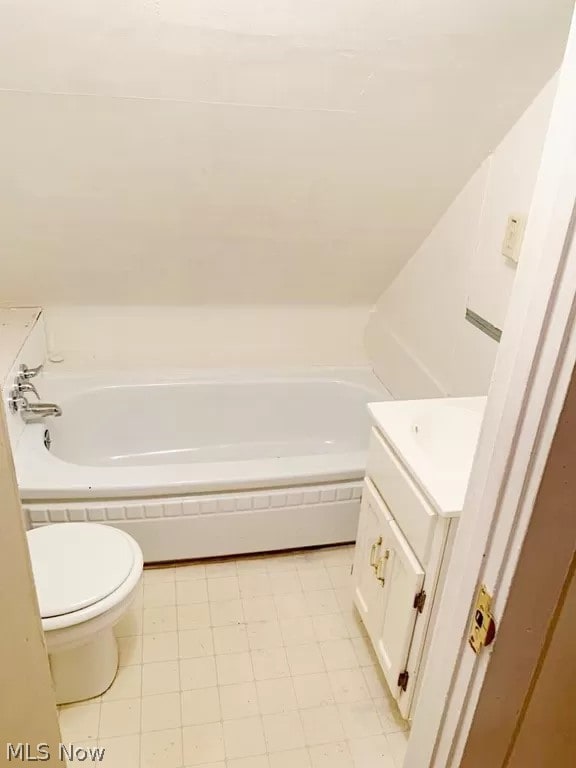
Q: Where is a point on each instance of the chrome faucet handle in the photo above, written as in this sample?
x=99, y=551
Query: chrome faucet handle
x=29, y=373
x=16, y=401
x=25, y=386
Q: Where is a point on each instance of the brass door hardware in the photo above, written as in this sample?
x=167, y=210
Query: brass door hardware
x=483, y=626
x=374, y=553
x=381, y=567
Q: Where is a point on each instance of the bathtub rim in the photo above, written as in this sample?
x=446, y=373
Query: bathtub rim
x=44, y=477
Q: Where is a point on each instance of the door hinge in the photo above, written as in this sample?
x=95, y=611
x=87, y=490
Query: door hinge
x=483, y=626
x=403, y=678
x=420, y=601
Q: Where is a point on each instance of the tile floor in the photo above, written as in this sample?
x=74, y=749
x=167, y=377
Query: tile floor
x=256, y=662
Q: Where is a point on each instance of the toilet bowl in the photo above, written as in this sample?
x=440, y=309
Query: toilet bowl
x=86, y=577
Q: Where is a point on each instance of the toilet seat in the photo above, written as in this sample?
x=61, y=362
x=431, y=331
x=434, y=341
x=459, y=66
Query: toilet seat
x=77, y=565
x=58, y=628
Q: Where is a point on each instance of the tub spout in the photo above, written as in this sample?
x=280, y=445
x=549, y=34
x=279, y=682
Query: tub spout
x=42, y=409
x=31, y=411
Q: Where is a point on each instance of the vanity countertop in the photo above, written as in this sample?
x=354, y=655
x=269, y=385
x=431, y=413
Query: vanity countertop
x=435, y=440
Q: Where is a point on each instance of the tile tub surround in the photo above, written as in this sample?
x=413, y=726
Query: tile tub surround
x=254, y=662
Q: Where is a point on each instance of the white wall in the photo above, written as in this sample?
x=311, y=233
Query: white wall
x=215, y=182
x=206, y=336
x=417, y=336
x=167, y=152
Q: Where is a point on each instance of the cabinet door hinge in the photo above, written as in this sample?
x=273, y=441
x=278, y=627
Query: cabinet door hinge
x=420, y=601
x=403, y=678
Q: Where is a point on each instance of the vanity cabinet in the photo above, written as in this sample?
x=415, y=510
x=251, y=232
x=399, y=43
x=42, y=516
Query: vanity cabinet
x=401, y=553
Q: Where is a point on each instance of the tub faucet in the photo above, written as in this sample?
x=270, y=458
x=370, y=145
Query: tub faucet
x=24, y=372
x=31, y=411
x=25, y=386
x=17, y=400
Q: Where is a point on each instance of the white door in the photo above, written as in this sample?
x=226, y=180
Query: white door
x=404, y=581
x=369, y=566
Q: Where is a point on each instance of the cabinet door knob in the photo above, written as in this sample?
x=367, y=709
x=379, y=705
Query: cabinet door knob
x=374, y=553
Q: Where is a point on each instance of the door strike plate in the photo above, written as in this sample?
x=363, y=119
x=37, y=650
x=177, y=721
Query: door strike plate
x=483, y=627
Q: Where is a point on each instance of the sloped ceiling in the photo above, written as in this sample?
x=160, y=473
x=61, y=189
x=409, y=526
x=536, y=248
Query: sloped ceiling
x=277, y=151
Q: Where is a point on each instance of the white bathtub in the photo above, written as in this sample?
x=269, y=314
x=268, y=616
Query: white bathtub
x=203, y=465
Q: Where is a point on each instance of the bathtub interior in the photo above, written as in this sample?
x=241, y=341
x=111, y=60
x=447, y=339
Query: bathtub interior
x=208, y=420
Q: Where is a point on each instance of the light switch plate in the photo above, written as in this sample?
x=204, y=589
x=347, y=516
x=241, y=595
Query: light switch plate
x=513, y=237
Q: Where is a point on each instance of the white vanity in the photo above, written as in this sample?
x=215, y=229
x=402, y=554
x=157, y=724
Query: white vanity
x=421, y=454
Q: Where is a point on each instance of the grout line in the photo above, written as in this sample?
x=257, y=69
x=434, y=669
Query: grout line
x=178, y=659
x=100, y=715
x=141, y=625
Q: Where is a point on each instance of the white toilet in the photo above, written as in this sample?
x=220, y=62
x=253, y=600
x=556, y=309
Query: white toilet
x=86, y=577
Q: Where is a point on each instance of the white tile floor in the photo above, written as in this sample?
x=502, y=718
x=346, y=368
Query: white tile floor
x=257, y=662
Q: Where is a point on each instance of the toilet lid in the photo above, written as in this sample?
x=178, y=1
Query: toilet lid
x=77, y=564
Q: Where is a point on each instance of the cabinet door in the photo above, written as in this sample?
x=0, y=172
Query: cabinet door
x=404, y=580
x=369, y=570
